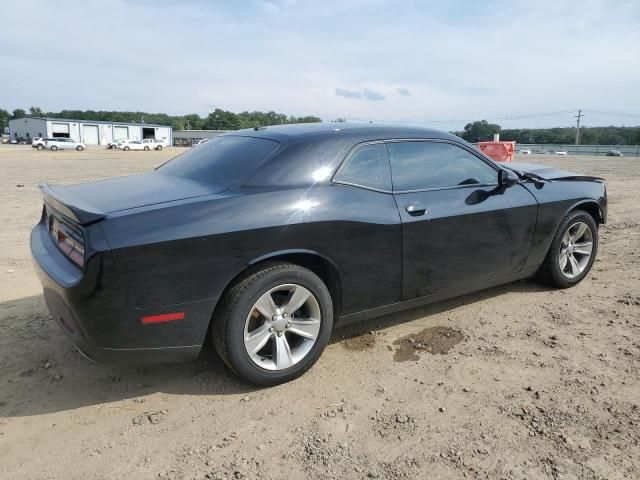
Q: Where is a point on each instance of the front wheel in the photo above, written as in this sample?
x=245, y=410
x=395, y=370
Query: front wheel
x=572, y=252
x=79, y=148
x=146, y=149
x=126, y=149
x=39, y=147
x=274, y=324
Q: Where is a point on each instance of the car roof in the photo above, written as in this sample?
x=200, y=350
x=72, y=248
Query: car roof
x=358, y=132
x=305, y=148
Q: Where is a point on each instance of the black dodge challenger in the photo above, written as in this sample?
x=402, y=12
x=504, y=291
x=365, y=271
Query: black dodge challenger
x=263, y=240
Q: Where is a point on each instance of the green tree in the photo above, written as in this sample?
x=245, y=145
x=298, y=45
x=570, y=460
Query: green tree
x=4, y=120
x=222, y=120
x=307, y=119
x=35, y=111
x=567, y=135
x=18, y=113
x=192, y=121
x=480, y=130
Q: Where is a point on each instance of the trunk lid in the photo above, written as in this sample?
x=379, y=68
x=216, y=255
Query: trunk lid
x=89, y=202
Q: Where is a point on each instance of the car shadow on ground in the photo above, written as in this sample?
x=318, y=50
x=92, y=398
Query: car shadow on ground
x=379, y=323
x=41, y=372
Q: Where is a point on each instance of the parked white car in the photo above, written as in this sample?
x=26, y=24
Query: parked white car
x=116, y=143
x=135, y=145
x=153, y=143
x=38, y=142
x=525, y=151
x=561, y=152
x=63, y=144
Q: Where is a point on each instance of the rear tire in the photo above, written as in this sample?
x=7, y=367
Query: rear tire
x=126, y=149
x=572, y=252
x=159, y=147
x=54, y=148
x=262, y=334
x=39, y=147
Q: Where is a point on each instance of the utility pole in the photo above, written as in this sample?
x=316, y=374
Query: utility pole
x=578, y=117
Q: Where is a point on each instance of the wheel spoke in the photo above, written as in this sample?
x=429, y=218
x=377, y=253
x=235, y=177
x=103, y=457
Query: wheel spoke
x=563, y=261
x=256, y=339
x=307, y=328
x=575, y=268
x=583, y=248
x=283, y=358
x=298, y=298
x=579, y=232
x=266, y=306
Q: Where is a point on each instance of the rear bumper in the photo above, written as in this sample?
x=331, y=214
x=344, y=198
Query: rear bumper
x=92, y=311
x=75, y=328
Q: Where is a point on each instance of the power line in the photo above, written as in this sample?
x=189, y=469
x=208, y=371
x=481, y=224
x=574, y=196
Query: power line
x=505, y=117
x=531, y=115
x=618, y=114
x=459, y=120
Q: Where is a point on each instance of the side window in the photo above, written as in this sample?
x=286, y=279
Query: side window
x=368, y=166
x=422, y=165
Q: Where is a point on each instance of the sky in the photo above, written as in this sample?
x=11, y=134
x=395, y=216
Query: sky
x=436, y=63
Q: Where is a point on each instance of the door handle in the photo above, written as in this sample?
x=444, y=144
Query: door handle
x=416, y=210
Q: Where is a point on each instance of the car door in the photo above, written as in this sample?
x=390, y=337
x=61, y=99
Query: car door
x=369, y=232
x=459, y=227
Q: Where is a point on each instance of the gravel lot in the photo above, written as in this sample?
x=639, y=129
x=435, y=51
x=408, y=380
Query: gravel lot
x=514, y=382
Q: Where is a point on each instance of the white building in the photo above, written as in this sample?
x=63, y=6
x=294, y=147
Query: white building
x=87, y=131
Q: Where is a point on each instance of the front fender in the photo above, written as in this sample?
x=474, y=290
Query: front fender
x=556, y=200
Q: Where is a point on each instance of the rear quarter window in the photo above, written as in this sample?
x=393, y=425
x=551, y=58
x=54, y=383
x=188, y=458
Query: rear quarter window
x=368, y=167
x=226, y=160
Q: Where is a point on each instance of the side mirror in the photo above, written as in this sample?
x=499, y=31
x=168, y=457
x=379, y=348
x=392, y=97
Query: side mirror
x=507, y=178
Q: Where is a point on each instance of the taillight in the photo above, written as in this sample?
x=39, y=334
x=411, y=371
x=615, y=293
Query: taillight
x=67, y=238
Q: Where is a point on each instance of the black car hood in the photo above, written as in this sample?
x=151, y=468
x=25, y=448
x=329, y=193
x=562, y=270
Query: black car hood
x=550, y=173
x=89, y=201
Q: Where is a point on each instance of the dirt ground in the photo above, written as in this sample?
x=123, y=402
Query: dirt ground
x=515, y=382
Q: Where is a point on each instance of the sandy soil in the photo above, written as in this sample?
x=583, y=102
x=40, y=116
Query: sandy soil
x=514, y=382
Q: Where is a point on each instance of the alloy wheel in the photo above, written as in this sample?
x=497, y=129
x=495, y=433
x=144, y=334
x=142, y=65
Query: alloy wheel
x=575, y=249
x=282, y=327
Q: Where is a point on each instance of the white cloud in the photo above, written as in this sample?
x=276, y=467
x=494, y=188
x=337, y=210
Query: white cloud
x=345, y=92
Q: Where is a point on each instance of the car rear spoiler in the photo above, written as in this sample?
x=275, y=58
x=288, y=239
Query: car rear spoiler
x=76, y=209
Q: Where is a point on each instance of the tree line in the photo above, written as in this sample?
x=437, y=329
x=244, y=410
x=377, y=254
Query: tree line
x=482, y=131
x=217, y=120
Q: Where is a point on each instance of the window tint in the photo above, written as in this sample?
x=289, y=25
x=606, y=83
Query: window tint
x=368, y=167
x=420, y=165
x=226, y=159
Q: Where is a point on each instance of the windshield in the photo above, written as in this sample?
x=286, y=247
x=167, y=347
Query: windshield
x=227, y=159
